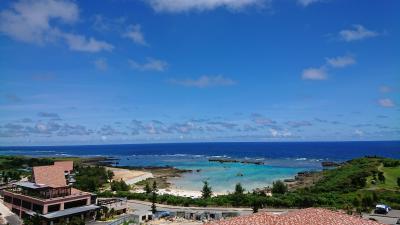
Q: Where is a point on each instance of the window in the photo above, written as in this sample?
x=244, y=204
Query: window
x=37, y=208
x=73, y=204
x=53, y=208
x=16, y=201
x=93, y=199
x=26, y=205
x=7, y=198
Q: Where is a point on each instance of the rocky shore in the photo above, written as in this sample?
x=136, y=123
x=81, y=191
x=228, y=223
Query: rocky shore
x=229, y=160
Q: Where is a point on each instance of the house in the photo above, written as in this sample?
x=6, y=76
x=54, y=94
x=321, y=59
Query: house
x=49, y=195
x=141, y=216
x=117, y=205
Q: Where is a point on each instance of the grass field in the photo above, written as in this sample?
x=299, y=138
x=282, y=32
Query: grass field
x=391, y=174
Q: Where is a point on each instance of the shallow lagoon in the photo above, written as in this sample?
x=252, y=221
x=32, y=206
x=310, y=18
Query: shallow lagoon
x=223, y=176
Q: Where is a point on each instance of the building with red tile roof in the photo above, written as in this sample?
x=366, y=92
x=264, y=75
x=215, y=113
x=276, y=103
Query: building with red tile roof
x=67, y=166
x=52, y=176
x=309, y=216
x=49, y=195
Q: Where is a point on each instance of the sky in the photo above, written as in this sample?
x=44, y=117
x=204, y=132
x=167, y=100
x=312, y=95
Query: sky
x=149, y=71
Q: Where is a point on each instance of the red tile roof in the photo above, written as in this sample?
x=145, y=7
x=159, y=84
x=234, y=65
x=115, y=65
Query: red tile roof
x=52, y=176
x=66, y=165
x=309, y=216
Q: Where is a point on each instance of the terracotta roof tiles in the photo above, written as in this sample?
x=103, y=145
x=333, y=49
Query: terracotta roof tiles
x=66, y=165
x=309, y=216
x=52, y=176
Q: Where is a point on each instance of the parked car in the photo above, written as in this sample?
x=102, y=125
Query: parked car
x=382, y=209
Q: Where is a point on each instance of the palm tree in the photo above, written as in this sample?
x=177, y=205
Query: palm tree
x=154, y=198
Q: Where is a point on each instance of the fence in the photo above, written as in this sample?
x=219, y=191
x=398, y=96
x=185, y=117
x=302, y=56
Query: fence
x=125, y=218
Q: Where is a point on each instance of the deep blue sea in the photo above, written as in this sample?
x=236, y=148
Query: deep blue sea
x=316, y=150
x=281, y=159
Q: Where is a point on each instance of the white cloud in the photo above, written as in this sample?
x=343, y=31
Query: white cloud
x=105, y=24
x=83, y=44
x=358, y=132
x=358, y=33
x=306, y=3
x=276, y=133
x=175, y=6
x=386, y=102
x=29, y=21
x=150, y=65
x=262, y=120
x=101, y=64
x=340, y=61
x=314, y=74
x=205, y=81
x=321, y=73
x=135, y=33
x=34, y=22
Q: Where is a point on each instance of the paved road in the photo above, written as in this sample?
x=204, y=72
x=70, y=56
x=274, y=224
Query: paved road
x=10, y=217
x=390, y=218
x=145, y=206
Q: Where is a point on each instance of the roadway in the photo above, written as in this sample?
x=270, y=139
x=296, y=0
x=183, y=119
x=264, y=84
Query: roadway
x=146, y=206
x=390, y=218
x=8, y=216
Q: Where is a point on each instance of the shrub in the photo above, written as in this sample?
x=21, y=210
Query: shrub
x=279, y=187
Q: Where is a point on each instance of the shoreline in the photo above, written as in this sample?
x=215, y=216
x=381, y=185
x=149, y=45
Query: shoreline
x=166, y=176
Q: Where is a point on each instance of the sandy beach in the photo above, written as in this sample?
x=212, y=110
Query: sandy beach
x=179, y=192
x=129, y=176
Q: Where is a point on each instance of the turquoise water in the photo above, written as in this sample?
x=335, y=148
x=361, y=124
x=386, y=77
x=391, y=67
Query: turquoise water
x=282, y=159
x=224, y=176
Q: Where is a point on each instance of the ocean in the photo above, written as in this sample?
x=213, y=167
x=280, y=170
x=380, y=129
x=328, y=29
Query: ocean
x=281, y=159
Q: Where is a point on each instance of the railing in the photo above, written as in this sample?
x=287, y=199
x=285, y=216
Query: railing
x=126, y=218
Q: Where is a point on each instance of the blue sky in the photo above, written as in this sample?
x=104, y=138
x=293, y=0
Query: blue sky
x=143, y=71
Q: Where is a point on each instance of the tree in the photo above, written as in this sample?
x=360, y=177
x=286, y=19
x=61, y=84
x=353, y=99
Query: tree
x=33, y=220
x=356, y=202
x=381, y=177
x=110, y=175
x=239, y=190
x=238, y=194
x=206, y=192
x=104, y=213
x=112, y=212
x=398, y=181
x=119, y=186
x=348, y=208
x=76, y=220
x=256, y=203
x=366, y=201
x=374, y=197
x=154, y=197
x=147, y=188
x=279, y=187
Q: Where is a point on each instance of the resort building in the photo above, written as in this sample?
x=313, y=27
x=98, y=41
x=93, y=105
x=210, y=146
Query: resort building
x=309, y=216
x=50, y=195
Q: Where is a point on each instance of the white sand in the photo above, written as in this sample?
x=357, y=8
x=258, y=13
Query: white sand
x=178, y=192
x=129, y=176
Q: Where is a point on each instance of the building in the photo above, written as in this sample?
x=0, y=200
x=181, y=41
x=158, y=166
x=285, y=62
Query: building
x=309, y=216
x=50, y=195
x=117, y=205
